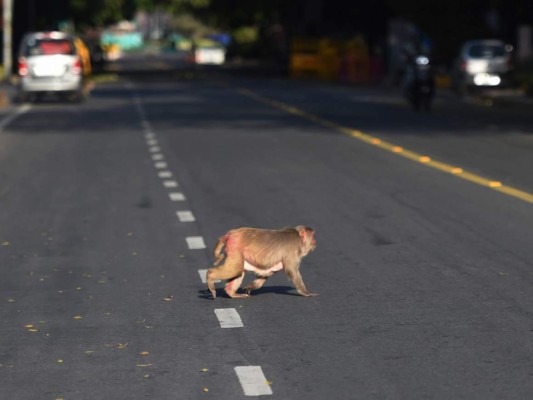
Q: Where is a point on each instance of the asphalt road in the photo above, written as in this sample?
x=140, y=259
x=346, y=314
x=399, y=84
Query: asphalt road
x=424, y=278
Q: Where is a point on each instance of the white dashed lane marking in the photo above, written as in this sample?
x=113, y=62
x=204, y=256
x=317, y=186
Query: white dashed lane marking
x=185, y=216
x=228, y=318
x=170, y=184
x=253, y=381
x=202, y=273
x=165, y=174
x=251, y=378
x=195, y=242
x=176, y=196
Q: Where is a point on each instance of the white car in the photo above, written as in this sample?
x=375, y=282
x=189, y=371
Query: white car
x=210, y=55
x=482, y=64
x=49, y=62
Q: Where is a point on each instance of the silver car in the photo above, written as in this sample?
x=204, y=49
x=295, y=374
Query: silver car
x=482, y=64
x=49, y=62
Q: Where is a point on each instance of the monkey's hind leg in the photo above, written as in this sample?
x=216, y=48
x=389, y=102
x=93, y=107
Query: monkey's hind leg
x=256, y=284
x=233, y=285
x=232, y=271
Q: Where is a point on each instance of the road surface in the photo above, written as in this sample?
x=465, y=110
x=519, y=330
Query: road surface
x=109, y=211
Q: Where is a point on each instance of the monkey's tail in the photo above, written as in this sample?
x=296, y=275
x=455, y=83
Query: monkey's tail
x=218, y=253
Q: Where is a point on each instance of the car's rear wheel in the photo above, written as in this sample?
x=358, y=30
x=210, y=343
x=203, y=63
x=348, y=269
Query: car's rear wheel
x=23, y=97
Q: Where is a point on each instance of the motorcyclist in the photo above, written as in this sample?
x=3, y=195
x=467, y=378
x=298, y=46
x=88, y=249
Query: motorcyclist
x=419, y=80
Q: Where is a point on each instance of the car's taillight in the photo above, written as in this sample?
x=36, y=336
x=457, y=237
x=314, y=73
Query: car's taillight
x=76, y=67
x=23, y=67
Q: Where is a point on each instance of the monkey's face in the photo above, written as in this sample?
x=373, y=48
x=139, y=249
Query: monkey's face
x=313, y=243
x=309, y=240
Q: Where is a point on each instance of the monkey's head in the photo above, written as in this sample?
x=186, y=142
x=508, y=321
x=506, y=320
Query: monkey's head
x=308, y=239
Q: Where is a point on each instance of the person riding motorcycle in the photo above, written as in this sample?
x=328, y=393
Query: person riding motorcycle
x=419, y=80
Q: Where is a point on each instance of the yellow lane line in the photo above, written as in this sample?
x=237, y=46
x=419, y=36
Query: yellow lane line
x=393, y=148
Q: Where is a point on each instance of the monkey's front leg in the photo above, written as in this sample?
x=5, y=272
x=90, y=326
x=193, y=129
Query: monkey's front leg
x=294, y=274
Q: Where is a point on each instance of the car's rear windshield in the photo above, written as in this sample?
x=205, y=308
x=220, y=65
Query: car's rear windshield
x=486, y=51
x=39, y=47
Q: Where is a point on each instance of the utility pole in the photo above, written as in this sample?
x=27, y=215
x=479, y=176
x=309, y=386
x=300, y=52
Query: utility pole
x=8, y=33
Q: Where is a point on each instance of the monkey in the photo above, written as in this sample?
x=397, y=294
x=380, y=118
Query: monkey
x=262, y=251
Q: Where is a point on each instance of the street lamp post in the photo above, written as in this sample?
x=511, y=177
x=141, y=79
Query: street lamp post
x=8, y=32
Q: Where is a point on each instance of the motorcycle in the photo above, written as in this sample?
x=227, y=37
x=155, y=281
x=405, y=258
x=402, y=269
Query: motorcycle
x=419, y=86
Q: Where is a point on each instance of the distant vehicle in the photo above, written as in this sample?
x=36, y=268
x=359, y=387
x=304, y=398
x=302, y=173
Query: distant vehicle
x=482, y=64
x=207, y=51
x=51, y=62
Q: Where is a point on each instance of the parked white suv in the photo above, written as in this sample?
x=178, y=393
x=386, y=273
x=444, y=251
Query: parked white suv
x=49, y=62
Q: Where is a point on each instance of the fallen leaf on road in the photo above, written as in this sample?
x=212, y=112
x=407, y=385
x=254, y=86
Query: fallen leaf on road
x=31, y=328
x=6, y=243
x=168, y=298
x=144, y=353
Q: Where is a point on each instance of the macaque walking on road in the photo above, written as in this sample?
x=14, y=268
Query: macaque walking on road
x=263, y=251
